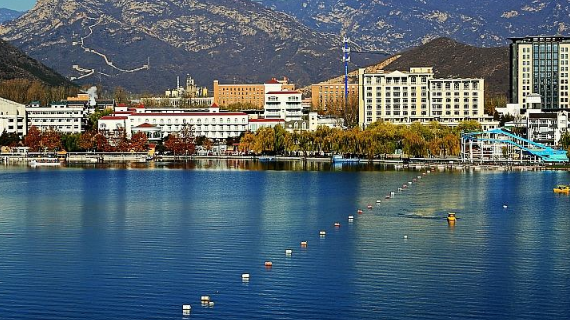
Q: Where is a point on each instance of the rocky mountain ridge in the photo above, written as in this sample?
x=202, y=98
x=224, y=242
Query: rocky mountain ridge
x=394, y=25
x=143, y=46
x=8, y=14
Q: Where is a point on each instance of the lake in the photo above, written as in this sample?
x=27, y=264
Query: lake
x=139, y=242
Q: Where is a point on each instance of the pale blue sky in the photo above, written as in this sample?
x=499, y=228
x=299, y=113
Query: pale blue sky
x=20, y=5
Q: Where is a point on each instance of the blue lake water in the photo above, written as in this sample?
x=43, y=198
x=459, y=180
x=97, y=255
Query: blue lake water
x=138, y=243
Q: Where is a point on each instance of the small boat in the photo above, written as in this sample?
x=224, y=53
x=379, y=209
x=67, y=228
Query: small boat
x=562, y=189
x=45, y=162
x=451, y=217
x=266, y=158
x=340, y=159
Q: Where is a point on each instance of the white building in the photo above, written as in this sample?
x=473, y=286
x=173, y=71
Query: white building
x=12, y=117
x=546, y=127
x=58, y=116
x=256, y=124
x=211, y=123
x=407, y=97
x=283, y=104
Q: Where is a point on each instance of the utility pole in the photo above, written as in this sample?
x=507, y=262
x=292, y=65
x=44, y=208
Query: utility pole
x=345, y=59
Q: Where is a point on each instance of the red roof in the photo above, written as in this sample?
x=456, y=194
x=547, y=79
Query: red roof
x=112, y=118
x=124, y=112
x=266, y=120
x=145, y=125
x=272, y=81
x=121, y=105
x=176, y=114
x=284, y=92
x=214, y=105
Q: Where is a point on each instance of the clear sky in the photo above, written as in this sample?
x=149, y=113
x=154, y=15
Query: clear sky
x=20, y=5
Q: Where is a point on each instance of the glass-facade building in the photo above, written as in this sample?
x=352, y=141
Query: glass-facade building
x=540, y=65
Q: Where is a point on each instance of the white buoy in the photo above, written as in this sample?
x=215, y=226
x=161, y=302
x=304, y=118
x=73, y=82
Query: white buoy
x=244, y=276
x=323, y=233
x=406, y=236
x=288, y=252
x=205, y=298
x=186, y=307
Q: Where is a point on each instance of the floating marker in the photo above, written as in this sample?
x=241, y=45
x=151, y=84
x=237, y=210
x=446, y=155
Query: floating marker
x=337, y=224
x=304, y=244
x=323, y=233
x=268, y=264
x=206, y=298
x=288, y=252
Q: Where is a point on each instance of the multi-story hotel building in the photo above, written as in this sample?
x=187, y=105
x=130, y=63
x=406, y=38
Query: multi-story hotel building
x=58, y=116
x=283, y=105
x=325, y=94
x=254, y=94
x=12, y=117
x=539, y=64
x=159, y=123
x=406, y=97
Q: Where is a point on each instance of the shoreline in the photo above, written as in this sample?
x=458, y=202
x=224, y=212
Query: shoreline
x=434, y=163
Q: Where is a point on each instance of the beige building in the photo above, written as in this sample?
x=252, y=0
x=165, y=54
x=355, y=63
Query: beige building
x=406, y=97
x=254, y=94
x=326, y=93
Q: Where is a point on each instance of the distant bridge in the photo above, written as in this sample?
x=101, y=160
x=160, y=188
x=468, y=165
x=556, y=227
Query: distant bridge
x=502, y=145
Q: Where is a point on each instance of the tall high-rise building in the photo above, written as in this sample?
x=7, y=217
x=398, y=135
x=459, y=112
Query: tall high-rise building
x=539, y=65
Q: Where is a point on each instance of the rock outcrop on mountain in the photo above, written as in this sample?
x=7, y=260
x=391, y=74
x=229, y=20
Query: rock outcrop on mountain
x=143, y=46
x=394, y=25
x=14, y=64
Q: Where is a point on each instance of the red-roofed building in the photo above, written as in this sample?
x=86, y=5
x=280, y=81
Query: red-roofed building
x=211, y=123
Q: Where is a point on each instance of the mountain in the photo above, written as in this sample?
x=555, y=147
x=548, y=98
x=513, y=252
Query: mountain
x=451, y=59
x=16, y=64
x=143, y=46
x=7, y=14
x=393, y=25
